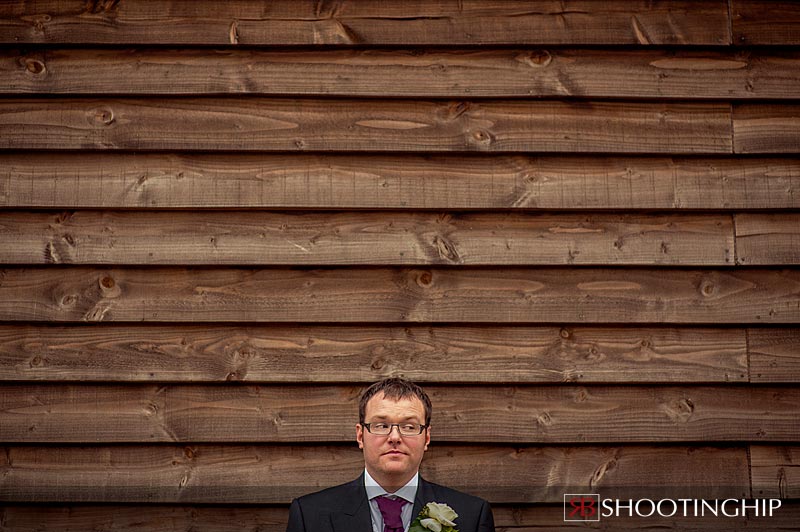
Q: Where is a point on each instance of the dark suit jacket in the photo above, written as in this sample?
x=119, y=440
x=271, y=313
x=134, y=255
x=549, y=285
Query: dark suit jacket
x=345, y=509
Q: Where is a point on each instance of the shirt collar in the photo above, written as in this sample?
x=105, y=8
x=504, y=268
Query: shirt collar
x=407, y=492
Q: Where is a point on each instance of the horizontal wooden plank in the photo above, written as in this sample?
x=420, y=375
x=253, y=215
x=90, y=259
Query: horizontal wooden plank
x=263, y=124
x=413, y=22
x=120, y=180
x=266, y=474
x=152, y=518
x=774, y=355
x=218, y=518
x=765, y=22
x=557, y=72
x=365, y=238
x=510, y=295
x=775, y=471
x=768, y=238
x=766, y=128
x=86, y=413
x=355, y=354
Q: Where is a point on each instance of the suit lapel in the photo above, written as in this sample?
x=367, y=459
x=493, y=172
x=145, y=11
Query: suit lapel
x=425, y=495
x=354, y=515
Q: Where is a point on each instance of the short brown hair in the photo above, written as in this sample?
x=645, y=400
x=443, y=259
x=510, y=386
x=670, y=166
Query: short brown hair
x=395, y=388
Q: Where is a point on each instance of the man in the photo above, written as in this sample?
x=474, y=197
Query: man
x=394, y=432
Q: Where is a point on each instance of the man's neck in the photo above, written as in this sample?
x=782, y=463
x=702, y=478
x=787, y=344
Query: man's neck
x=390, y=483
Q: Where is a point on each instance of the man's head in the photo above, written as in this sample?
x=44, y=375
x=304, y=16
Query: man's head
x=393, y=459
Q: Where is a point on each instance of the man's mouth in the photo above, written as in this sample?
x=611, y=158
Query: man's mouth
x=394, y=451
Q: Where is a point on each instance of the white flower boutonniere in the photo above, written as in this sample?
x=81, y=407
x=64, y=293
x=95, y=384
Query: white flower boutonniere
x=435, y=517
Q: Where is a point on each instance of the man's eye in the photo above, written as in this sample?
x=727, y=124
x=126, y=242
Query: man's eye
x=380, y=426
x=410, y=427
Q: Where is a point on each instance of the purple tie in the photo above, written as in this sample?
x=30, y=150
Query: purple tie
x=391, y=510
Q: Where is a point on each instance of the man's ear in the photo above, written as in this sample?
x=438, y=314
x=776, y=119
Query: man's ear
x=427, y=438
x=360, y=435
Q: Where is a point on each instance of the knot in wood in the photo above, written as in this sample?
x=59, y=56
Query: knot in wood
x=37, y=361
x=686, y=405
x=38, y=21
x=101, y=6
x=445, y=249
x=707, y=289
x=564, y=333
x=545, y=419
x=34, y=66
x=536, y=59
x=457, y=109
x=425, y=279
x=601, y=471
x=101, y=116
x=581, y=396
x=109, y=289
x=680, y=411
x=378, y=363
x=482, y=137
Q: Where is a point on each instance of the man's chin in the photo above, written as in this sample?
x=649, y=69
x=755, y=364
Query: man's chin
x=395, y=459
x=396, y=463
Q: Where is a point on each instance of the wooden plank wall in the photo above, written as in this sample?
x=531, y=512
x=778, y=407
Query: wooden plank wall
x=577, y=223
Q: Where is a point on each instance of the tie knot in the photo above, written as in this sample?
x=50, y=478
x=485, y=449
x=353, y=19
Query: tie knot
x=391, y=510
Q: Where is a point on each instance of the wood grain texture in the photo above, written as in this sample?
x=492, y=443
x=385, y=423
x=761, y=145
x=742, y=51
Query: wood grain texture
x=336, y=181
x=138, y=517
x=766, y=128
x=358, y=354
x=263, y=124
x=363, y=238
x=414, y=22
x=520, y=73
x=86, y=413
x=513, y=295
x=775, y=471
x=765, y=22
x=217, y=518
x=774, y=355
x=768, y=239
x=275, y=474
x=274, y=204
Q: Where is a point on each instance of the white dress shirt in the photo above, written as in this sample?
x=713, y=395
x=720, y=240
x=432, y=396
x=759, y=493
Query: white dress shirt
x=407, y=492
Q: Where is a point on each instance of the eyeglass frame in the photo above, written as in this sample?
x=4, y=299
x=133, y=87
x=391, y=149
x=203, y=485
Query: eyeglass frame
x=422, y=428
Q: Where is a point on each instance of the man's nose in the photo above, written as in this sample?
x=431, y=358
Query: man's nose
x=392, y=435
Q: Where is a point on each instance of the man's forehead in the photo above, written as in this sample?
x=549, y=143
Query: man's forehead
x=410, y=406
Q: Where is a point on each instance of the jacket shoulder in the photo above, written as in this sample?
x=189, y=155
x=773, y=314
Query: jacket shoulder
x=333, y=496
x=450, y=494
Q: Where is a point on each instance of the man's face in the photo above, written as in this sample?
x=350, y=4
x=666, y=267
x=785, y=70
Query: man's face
x=393, y=459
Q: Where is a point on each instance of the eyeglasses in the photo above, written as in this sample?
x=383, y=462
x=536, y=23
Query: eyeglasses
x=384, y=429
